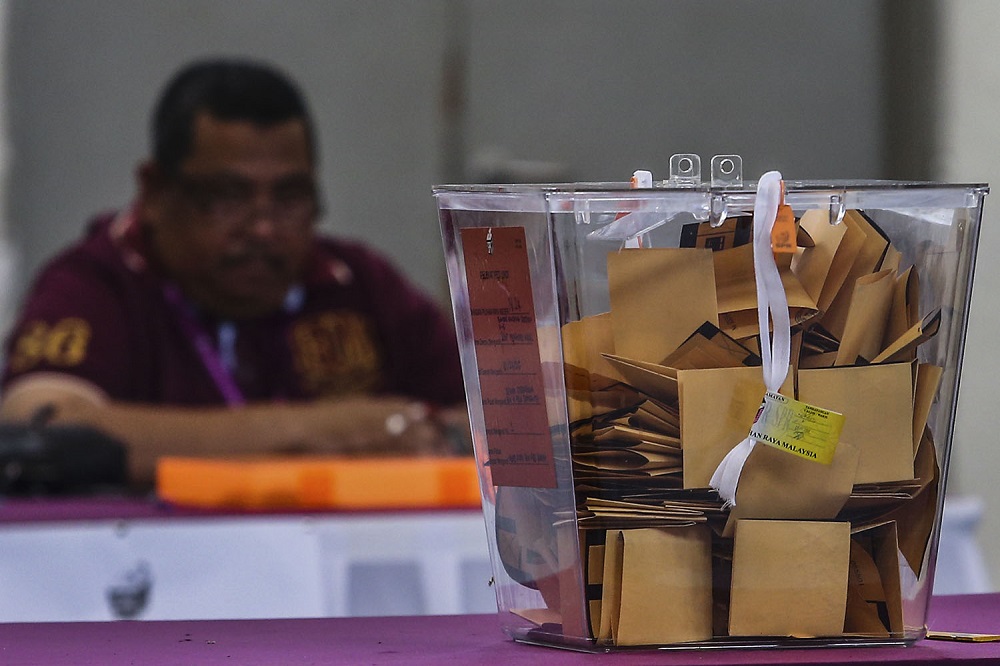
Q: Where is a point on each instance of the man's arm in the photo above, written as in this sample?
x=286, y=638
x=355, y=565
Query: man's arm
x=349, y=426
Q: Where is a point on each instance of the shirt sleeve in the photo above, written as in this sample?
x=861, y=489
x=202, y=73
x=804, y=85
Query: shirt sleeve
x=74, y=322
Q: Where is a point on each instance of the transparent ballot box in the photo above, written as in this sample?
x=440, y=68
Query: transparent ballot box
x=614, y=364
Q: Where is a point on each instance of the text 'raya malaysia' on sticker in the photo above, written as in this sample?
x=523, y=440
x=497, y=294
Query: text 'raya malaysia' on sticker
x=798, y=428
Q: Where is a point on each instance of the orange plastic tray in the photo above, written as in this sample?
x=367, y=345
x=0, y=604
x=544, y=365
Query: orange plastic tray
x=319, y=482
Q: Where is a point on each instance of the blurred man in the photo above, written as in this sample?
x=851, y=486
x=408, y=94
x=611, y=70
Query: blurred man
x=209, y=318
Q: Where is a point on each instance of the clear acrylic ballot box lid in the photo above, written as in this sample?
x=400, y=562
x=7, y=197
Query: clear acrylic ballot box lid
x=612, y=356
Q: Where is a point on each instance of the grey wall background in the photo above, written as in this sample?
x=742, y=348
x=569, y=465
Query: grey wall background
x=407, y=95
x=968, y=69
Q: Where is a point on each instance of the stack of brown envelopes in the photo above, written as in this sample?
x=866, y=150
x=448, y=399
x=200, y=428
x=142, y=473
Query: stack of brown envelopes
x=663, y=385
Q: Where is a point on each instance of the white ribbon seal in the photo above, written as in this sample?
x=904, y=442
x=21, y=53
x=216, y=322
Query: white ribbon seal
x=773, y=319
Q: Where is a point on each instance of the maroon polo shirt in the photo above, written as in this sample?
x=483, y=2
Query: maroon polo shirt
x=97, y=311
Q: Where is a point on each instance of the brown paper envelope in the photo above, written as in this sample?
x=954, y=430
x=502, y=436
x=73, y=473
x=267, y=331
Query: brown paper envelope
x=737, y=291
x=612, y=586
x=583, y=404
x=661, y=411
x=812, y=265
x=592, y=522
x=597, y=505
x=904, y=347
x=862, y=617
x=928, y=378
x=912, y=297
x=891, y=260
x=817, y=340
x=905, y=306
x=880, y=544
x=709, y=347
x=751, y=342
x=571, y=597
x=666, y=586
x=717, y=408
x=578, y=406
x=627, y=517
x=595, y=564
x=538, y=616
x=776, y=485
x=825, y=360
x=869, y=256
x=802, y=237
x=626, y=459
x=641, y=447
x=595, y=577
x=716, y=412
x=609, y=399
x=654, y=380
x=577, y=378
x=636, y=519
x=632, y=435
x=925, y=462
x=843, y=261
x=864, y=508
x=647, y=420
x=864, y=572
x=659, y=296
x=877, y=404
x=583, y=343
x=795, y=353
x=789, y=578
x=617, y=396
x=915, y=518
x=601, y=467
x=910, y=486
x=594, y=610
x=871, y=504
x=866, y=318
x=656, y=448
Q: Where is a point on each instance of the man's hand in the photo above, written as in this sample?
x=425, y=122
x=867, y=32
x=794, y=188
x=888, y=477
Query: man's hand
x=356, y=425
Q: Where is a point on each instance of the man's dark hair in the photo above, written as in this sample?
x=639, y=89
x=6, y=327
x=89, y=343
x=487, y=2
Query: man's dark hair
x=229, y=90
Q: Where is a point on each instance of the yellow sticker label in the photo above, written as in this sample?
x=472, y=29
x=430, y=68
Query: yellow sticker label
x=798, y=428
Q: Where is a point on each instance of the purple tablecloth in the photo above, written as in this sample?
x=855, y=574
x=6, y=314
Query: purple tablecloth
x=434, y=640
x=54, y=509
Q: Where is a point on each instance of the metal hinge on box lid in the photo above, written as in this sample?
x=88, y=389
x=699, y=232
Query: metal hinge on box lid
x=727, y=171
x=685, y=171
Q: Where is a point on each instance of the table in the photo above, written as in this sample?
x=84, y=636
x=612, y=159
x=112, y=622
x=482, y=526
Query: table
x=434, y=640
x=106, y=558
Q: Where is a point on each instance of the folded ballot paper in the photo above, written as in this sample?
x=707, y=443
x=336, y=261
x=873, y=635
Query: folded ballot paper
x=658, y=396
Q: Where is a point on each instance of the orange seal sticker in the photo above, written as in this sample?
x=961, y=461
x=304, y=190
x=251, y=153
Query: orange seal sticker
x=783, y=232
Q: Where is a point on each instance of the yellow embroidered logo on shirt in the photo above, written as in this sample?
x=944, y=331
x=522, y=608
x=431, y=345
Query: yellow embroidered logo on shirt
x=63, y=344
x=336, y=353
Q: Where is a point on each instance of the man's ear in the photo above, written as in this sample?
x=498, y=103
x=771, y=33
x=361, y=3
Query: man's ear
x=151, y=183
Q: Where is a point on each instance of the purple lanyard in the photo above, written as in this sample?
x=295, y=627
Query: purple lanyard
x=202, y=342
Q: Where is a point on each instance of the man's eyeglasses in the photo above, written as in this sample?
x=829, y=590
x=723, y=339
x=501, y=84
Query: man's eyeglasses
x=231, y=201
